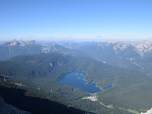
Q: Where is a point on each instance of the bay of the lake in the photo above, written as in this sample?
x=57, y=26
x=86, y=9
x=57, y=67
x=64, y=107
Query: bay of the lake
x=76, y=80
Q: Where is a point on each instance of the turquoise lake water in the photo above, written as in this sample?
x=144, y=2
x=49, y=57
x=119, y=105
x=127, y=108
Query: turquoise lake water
x=76, y=80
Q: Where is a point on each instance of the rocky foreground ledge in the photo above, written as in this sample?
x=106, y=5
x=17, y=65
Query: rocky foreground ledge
x=148, y=112
x=6, y=108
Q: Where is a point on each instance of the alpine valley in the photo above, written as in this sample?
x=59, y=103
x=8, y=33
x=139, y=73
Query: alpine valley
x=30, y=74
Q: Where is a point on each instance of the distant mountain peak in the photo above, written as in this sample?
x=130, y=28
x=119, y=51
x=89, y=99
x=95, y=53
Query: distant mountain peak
x=142, y=47
x=143, y=42
x=111, y=41
x=31, y=42
x=13, y=42
x=121, y=46
x=20, y=43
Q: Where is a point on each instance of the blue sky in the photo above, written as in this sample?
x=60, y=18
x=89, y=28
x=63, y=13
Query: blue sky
x=76, y=20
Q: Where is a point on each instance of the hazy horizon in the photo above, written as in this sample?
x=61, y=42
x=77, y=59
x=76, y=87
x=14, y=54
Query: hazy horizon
x=75, y=41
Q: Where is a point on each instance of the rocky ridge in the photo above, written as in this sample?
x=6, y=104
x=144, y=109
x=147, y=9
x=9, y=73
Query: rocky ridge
x=148, y=112
x=6, y=108
x=18, y=47
x=19, y=43
x=141, y=47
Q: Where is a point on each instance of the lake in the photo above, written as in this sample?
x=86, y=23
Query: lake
x=110, y=86
x=76, y=80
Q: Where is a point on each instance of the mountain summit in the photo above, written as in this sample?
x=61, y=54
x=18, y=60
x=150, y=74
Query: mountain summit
x=18, y=47
x=20, y=43
x=141, y=47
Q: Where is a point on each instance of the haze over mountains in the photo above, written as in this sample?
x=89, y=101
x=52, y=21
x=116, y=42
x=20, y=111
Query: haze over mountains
x=128, y=55
x=36, y=68
x=14, y=48
x=140, y=49
x=121, y=50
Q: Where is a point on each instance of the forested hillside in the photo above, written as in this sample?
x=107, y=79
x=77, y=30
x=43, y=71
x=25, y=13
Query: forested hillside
x=38, y=74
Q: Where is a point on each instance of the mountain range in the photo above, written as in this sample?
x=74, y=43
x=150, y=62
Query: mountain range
x=17, y=47
x=36, y=68
x=128, y=55
x=117, y=50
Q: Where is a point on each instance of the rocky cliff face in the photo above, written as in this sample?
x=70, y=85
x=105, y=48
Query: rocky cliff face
x=19, y=43
x=6, y=108
x=17, y=47
x=141, y=47
x=129, y=55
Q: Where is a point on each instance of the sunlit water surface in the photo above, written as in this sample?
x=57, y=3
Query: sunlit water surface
x=76, y=80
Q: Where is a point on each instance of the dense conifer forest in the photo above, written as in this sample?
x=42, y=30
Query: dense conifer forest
x=34, y=76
